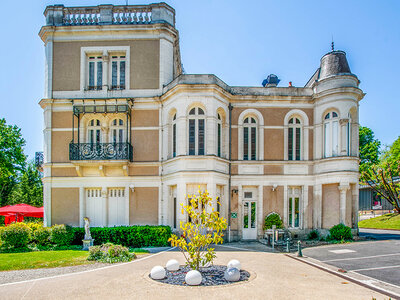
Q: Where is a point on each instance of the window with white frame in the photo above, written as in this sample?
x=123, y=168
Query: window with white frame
x=94, y=132
x=294, y=139
x=117, y=131
x=219, y=135
x=196, y=131
x=173, y=127
x=249, y=139
x=294, y=197
x=331, y=133
x=118, y=67
x=95, y=72
x=105, y=68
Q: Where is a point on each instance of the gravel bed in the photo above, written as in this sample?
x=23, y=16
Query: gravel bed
x=22, y=275
x=213, y=275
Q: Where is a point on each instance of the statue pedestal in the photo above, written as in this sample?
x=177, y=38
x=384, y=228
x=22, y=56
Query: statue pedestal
x=87, y=243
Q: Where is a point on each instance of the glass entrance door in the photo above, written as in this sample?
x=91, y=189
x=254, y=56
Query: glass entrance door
x=249, y=220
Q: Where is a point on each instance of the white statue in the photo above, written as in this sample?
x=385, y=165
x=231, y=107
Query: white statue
x=87, y=229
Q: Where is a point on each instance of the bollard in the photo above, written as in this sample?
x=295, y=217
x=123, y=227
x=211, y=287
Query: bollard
x=288, y=245
x=299, y=253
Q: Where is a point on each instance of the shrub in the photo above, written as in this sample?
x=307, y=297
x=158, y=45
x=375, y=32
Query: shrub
x=61, y=235
x=110, y=253
x=340, y=232
x=16, y=235
x=203, y=229
x=273, y=219
x=41, y=236
x=34, y=226
x=313, y=235
x=129, y=236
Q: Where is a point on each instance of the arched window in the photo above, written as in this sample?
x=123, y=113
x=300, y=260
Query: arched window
x=196, y=131
x=331, y=130
x=94, y=132
x=294, y=139
x=117, y=131
x=249, y=139
x=174, y=135
x=219, y=135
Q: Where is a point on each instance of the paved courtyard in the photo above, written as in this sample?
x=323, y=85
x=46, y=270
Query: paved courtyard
x=375, y=263
x=273, y=276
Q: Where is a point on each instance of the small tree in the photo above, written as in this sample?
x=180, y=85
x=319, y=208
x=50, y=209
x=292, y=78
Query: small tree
x=384, y=184
x=204, y=228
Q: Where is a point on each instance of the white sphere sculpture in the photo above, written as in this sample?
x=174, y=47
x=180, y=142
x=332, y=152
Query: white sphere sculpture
x=193, y=277
x=172, y=265
x=157, y=273
x=234, y=263
x=232, y=274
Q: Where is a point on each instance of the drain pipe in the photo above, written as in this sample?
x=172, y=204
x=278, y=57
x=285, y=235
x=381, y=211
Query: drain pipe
x=230, y=107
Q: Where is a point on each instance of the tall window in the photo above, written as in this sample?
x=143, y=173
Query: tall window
x=174, y=136
x=294, y=207
x=196, y=131
x=118, y=63
x=219, y=135
x=94, y=132
x=331, y=130
x=117, y=131
x=249, y=139
x=294, y=139
x=95, y=69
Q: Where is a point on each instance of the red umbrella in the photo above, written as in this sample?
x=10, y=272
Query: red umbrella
x=19, y=211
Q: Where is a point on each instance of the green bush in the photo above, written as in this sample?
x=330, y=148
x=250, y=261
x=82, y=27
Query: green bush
x=273, y=219
x=41, y=236
x=110, y=253
x=129, y=236
x=313, y=235
x=340, y=232
x=34, y=226
x=61, y=235
x=15, y=235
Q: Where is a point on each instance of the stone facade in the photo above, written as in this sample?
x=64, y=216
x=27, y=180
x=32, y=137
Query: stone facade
x=127, y=136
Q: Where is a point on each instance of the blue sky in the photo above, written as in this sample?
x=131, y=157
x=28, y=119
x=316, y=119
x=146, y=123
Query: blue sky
x=240, y=42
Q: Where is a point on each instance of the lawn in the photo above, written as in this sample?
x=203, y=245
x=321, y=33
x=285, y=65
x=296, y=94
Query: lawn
x=388, y=221
x=42, y=259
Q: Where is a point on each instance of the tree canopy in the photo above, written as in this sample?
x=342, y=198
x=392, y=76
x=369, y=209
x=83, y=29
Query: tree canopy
x=391, y=157
x=369, y=148
x=12, y=158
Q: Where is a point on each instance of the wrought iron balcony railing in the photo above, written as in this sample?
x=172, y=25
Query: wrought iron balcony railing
x=100, y=151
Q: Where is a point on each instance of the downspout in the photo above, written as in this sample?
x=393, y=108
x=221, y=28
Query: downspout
x=230, y=107
x=162, y=158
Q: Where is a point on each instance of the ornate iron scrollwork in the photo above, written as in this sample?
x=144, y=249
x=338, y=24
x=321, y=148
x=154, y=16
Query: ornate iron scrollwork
x=100, y=151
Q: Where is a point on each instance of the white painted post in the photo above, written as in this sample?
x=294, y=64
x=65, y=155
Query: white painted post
x=82, y=205
x=343, y=188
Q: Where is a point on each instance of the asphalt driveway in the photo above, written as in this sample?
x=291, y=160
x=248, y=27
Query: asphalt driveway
x=376, y=260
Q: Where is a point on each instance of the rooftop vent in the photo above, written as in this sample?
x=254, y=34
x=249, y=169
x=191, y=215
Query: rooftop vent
x=271, y=81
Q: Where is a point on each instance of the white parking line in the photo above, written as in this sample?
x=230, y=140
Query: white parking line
x=377, y=268
x=352, y=258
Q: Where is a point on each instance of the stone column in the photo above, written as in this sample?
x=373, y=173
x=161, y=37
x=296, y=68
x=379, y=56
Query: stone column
x=317, y=219
x=212, y=191
x=47, y=203
x=181, y=135
x=211, y=136
x=82, y=206
x=343, y=136
x=127, y=192
x=355, y=203
x=304, y=214
x=106, y=60
x=343, y=188
x=104, y=195
x=260, y=219
x=180, y=199
x=240, y=208
x=285, y=206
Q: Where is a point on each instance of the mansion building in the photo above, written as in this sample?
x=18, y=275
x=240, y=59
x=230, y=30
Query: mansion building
x=128, y=135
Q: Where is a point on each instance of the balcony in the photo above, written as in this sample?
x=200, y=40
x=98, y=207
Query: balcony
x=58, y=15
x=100, y=151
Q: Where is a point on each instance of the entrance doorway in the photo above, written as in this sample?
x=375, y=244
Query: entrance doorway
x=249, y=216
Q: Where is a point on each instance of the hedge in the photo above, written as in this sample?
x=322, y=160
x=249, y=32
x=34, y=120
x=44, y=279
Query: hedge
x=129, y=236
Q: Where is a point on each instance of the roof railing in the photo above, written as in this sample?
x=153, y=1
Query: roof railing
x=58, y=15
